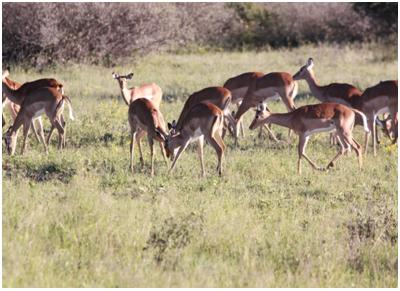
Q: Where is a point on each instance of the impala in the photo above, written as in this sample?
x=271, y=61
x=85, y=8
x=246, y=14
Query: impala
x=14, y=99
x=47, y=100
x=378, y=99
x=269, y=87
x=335, y=92
x=204, y=120
x=311, y=119
x=219, y=96
x=238, y=86
x=149, y=91
x=145, y=118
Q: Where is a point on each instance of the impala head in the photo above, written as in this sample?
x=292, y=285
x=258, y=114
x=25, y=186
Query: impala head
x=122, y=79
x=262, y=112
x=10, y=140
x=171, y=143
x=388, y=127
x=304, y=71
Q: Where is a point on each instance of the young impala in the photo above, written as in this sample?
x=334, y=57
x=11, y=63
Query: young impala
x=149, y=91
x=379, y=99
x=47, y=100
x=269, y=87
x=204, y=120
x=218, y=96
x=145, y=118
x=311, y=119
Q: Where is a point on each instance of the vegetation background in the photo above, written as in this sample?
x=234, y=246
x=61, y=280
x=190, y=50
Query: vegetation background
x=79, y=218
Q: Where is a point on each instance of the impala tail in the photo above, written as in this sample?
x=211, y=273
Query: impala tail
x=69, y=103
x=364, y=118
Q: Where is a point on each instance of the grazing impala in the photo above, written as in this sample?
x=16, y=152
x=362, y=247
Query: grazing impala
x=375, y=100
x=204, y=120
x=149, y=91
x=268, y=87
x=14, y=101
x=311, y=119
x=145, y=118
x=218, y=96
x=47, y=100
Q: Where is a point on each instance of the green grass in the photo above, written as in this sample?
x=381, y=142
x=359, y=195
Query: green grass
x=80, y=219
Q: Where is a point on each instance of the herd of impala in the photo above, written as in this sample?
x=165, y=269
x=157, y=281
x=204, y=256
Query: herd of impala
x=206, y=114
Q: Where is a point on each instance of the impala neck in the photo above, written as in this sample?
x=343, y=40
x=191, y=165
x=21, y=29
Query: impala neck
x=12, y=94
x=314, y=87
x=282, y=119
x=125, y=92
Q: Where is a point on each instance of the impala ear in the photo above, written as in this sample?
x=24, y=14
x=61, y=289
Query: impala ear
x=115, y=75
x=129, y=76
x=174, y=123
x=170, y=126
x=310, y=63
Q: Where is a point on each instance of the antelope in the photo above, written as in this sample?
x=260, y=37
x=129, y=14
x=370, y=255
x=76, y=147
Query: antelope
x=238, y=86
x=341, y=93
x=144, y=117
x=149, y=91
x=269, y=87
x=204, y=120
x=375, y=100
x=219, y=96
x=310, y=119
x=14, y=101
x=47, y=100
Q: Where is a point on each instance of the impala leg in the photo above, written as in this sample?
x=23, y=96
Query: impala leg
x=340, y=152
x=303, y=140
x=219, y=146
x=200, y=152
x=35, y=131
x=177, y=156
x=241, y=124
x=271, y=133
x=164, y=154
x=139, y=137
x=132, y=148
x=64, y=125
x=60, y=130
x=367, y=134
x=50, y=134
x=27, y=125
x=374, y=134
x=151, y=145
x=41, y=133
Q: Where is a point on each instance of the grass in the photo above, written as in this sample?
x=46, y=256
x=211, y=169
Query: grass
x=79, y=218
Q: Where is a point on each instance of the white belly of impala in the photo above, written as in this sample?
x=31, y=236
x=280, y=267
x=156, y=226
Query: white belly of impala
x=322, y=129
x=39, y=113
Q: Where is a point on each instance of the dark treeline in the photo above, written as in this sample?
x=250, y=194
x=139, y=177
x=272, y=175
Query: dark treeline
x=44, y=33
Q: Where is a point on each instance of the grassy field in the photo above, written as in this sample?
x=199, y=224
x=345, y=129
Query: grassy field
x=80, y=219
